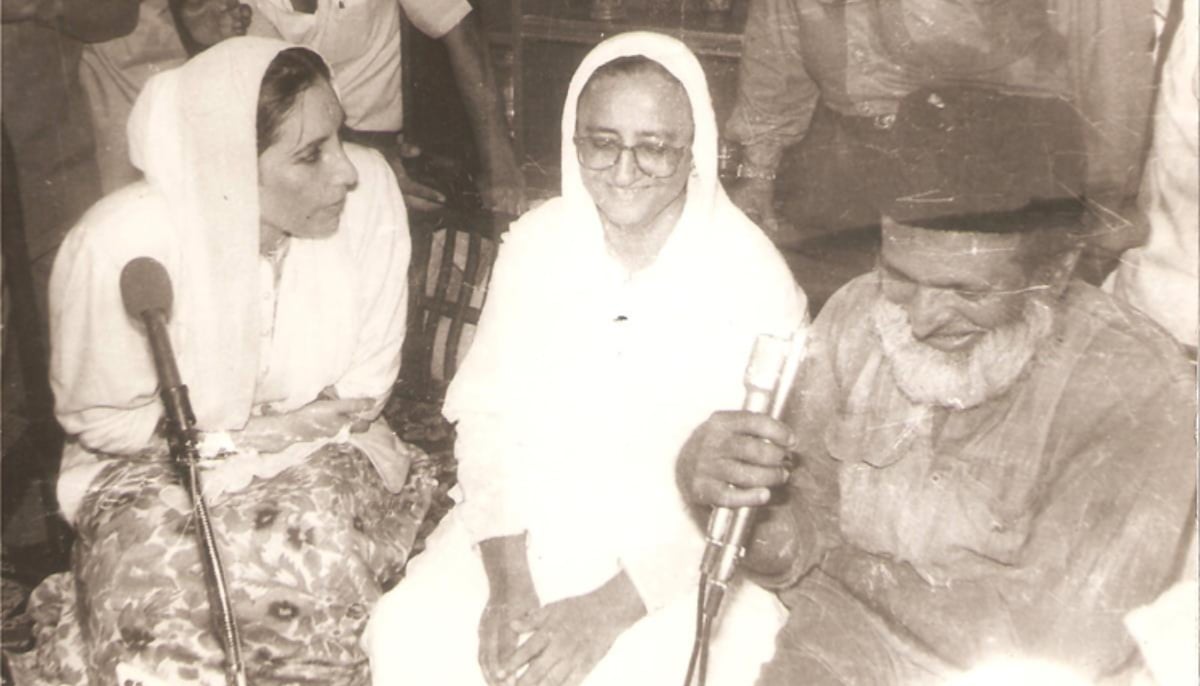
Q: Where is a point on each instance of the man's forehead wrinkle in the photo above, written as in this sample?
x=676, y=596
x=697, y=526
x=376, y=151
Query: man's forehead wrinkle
x=940, y=240
x=1024, y=290
x=972, y=249
x=940, y=271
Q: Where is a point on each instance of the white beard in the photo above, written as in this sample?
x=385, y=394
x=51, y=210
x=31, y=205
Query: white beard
x=967, y=378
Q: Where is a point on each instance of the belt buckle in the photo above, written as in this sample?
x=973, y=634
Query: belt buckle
x=884, y=122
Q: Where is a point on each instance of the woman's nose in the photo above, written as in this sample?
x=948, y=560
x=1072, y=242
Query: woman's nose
x=625, y=171
x=344, y=172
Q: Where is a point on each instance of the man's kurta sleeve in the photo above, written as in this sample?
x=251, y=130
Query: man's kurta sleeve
x=1105, y=537
x=776, y=97
x=810, y=503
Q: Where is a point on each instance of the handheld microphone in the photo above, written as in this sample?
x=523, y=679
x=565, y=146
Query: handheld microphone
x=762, y=373
x=769, y=376
x=772, y=368
x=146, y=293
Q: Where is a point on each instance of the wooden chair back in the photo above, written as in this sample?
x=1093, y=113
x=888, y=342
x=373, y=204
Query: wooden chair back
x=452, y=256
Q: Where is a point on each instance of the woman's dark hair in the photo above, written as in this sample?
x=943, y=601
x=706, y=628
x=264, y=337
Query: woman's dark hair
x=629, y=65
x=292, y=72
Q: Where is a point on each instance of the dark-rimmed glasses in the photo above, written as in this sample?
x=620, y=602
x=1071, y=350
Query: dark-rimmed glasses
x=658, y=160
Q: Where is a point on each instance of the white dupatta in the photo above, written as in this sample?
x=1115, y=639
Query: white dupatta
x=339, y=308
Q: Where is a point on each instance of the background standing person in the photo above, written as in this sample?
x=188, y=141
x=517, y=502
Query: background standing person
x=821, y=81
x=45, y=116
x=361, y=41
x=1160, y=277
x=113, y=72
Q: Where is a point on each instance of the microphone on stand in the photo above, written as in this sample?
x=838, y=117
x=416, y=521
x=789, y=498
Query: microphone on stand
x=146, y=292
x=147, y=295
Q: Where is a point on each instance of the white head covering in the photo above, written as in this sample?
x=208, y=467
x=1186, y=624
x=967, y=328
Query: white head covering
x=332, y=313
x=703, y=188
x=704, y=191
x=584, y=380
x=193, y=132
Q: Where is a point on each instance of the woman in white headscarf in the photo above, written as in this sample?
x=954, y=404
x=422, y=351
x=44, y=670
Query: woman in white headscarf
x=287, y=253
x=620, y=315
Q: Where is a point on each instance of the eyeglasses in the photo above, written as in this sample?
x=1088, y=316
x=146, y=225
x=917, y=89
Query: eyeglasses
x=658, y=160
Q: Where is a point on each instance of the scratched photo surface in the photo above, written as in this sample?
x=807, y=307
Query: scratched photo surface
x=599, y=341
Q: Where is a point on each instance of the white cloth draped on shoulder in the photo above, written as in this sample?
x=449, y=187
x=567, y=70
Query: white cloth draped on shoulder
x=309, y=534
x=580, y=388
x=337, y=316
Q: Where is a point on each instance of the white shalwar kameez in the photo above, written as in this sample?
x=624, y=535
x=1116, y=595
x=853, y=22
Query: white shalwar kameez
x=581, y=387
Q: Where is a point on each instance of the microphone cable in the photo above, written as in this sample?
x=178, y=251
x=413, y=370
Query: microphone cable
x=147, y=295
x=235, y=671
x=710, y=594
x=697, y=670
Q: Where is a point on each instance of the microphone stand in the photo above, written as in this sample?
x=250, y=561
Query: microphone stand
x=181, y=438
x=769, y=377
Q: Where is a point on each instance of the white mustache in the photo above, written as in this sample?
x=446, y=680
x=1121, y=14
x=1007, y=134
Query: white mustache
x=962, y=379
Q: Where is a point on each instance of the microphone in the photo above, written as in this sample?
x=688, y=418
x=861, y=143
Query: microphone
x=146, y=293
x=769, y=376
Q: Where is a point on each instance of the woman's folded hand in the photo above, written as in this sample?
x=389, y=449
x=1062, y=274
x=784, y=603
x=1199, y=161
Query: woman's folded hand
x=316, y=420
x=497, y=638
x=511, y=595
x=566, y=639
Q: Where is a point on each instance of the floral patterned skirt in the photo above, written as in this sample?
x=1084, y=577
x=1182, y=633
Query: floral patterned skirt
x=306, y=554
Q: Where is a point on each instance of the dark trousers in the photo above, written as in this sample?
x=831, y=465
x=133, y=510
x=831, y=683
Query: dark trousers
x=827, y=183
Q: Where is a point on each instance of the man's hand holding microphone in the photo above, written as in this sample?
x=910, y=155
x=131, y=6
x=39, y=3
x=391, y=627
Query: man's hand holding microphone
x=744, y=459
x=733, y=460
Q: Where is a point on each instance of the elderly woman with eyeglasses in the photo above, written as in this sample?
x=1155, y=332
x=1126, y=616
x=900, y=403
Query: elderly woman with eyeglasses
x=619, y=315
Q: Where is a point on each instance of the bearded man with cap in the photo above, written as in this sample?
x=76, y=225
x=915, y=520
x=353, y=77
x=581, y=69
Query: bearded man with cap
x=983, y=459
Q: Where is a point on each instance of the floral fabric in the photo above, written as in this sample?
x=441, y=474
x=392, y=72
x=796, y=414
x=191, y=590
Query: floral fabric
x=306, y=554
